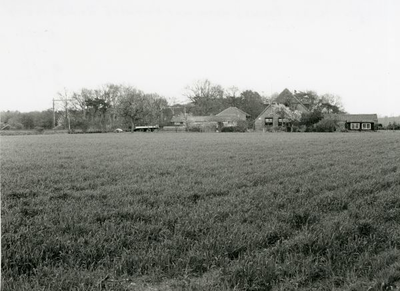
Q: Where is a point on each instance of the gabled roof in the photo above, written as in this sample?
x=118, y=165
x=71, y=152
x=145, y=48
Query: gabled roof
x=287, y=97
x=302, y=106
x=265, y=109
x=355, y=117
x=232, y=112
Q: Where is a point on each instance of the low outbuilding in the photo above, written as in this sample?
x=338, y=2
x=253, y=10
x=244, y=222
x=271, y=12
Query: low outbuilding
x=357, y=122
x=226, y=118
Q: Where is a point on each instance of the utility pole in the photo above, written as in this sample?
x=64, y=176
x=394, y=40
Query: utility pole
x=66, y=112
x=54, y=115
x=66, y=115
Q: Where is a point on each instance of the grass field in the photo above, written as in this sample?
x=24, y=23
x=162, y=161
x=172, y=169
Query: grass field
x=182, y=211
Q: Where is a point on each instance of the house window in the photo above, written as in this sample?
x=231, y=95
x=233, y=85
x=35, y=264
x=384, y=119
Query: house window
x=268, y=121
x=354, y=126
x=280, y=121
x=366, y=126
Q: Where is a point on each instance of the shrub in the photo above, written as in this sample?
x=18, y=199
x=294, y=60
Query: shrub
x=242, y=126
x=278, y=128
x=17, y=126
x=80, y=124
x=194, y=128
x=228, y=129
x=308, y=119
x=326, y=125
x=209, y=128
x=233, y=129
x=39, y=129
x=302, y=128
x=4, y=126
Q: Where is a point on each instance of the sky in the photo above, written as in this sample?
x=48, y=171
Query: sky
x=348, y=48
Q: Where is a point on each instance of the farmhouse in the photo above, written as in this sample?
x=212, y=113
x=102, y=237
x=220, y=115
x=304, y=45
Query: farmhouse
x=280, y=113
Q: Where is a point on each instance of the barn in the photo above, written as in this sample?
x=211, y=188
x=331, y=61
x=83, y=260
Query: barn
x=231, y=115
x=226, y=118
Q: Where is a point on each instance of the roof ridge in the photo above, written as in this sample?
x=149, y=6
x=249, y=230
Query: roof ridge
x=233, y=108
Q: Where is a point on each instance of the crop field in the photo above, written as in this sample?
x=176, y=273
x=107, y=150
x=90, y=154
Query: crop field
x=199, y=211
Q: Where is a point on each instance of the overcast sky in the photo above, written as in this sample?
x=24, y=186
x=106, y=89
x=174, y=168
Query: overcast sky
x=348, y=48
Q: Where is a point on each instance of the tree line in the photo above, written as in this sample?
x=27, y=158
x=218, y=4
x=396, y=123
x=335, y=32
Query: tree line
x=102, y=109
x=114, y=105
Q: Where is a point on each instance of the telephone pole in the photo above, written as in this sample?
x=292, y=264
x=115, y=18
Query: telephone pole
x=66, y=111
x=54, y=114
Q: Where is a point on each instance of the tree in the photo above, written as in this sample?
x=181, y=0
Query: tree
x=266, y=99
x=309, y=98
x=232, y=95
x=27, y=120
x=281, y=111
x=15, y=122
x=100, y=107
x=328, y=103
x=206, y=97
x=326, y=125
x=310, y=118
x=111, y=93
x=157, y=106
x=251, y=103
x=294, y=117
x=134, y=105
x=43, y=119
x=331, y=103
x=82, y=112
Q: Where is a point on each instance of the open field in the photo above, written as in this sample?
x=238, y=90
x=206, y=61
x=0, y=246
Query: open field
x=184, y=211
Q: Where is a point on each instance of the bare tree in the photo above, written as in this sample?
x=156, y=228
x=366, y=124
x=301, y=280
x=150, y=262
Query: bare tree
x=112, y=93
x=65, y=98
x=203, y=94
x=157, y=105
x=232, y=94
